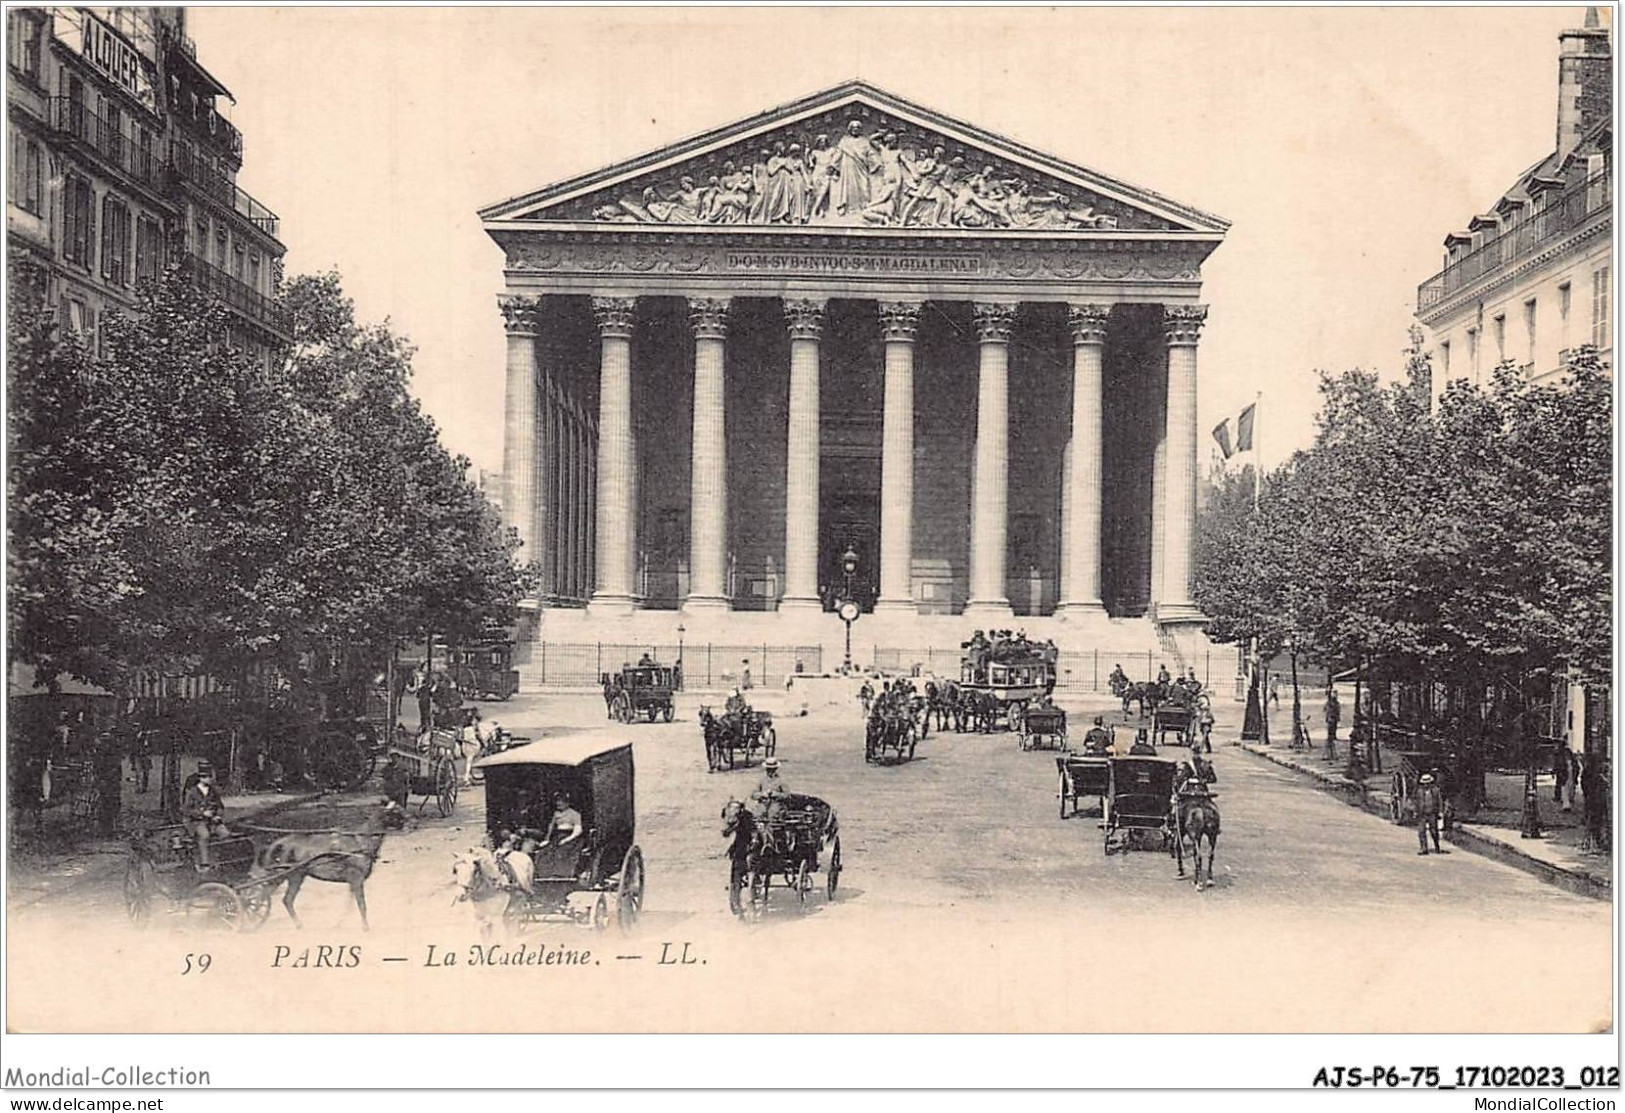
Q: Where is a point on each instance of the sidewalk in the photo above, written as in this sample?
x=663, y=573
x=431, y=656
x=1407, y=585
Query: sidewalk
x=1494, y=832
x=59, y=859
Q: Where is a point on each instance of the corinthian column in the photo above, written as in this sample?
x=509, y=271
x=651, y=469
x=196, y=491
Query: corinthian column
x=519, y=442
x=990, y=486
x=1083, y=525
x=898, y=322
x=1182, y=324
x=806, y=321
x=612, y=594
x=708, y=491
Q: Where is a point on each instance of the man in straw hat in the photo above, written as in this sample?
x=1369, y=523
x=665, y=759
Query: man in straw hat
x=1429, y=806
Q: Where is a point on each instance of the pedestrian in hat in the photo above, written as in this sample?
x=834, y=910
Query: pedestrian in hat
x=1429, y=806
x=1098, y=742
x=204, y=811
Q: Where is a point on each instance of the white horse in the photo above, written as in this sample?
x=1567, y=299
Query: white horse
x=491, y=884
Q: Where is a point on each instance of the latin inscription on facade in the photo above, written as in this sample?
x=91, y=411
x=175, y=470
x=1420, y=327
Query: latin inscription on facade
x=846, y=262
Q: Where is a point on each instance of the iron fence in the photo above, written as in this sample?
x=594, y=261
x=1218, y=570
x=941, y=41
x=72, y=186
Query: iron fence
x=704, y=664
x=1078, y=671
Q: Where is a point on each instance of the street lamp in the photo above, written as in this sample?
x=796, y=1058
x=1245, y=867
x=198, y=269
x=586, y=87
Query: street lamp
x=679, y=655
x=849, y=609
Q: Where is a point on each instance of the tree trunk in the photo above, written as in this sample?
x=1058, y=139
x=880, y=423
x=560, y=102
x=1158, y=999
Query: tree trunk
x=1356, y=769
x=1297, y=703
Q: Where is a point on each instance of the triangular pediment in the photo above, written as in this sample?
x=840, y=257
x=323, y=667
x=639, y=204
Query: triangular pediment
x=855, y=157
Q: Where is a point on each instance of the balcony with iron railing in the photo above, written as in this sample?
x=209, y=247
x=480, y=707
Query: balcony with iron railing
x=239, y=295
x=1569, y=211
x=191, y=170
x=105, y=137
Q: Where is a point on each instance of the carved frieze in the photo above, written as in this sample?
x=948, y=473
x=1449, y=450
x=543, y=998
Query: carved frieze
x=829, y=257
x=854, y=167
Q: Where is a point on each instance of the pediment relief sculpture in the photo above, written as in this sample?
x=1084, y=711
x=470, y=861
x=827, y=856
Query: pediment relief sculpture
x=855, y=168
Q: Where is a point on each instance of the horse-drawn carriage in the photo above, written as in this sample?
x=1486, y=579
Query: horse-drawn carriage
x=1175, y=720
x=225, y=893
x=484, y=670
x=427, y=768
x=1139, y=802
x=587, y=880
x=891, y=732
x=644, y=689
x=233, y=889
x=1004, y=676
x=1082, y=775
x=783, y=838
x=1043, y=726
x=1446, y=770
x=737, y=738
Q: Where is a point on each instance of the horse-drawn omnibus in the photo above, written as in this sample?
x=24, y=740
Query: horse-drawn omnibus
x=1006, y=674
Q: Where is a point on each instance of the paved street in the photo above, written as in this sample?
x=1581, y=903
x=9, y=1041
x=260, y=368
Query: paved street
x=967, y=903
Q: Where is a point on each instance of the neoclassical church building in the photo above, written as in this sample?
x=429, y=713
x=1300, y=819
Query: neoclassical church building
x=853, y=330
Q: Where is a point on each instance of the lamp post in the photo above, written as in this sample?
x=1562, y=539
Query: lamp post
x=849, y=609
x=679, y=655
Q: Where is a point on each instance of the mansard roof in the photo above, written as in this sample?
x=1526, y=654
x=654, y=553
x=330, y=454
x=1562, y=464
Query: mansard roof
x=892, y=164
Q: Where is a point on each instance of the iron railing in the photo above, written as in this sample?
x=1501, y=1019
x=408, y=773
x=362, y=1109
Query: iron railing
x=238, y=295
x=82, y=123
x=189, y=168
x=704, y=665
x=1522, y=237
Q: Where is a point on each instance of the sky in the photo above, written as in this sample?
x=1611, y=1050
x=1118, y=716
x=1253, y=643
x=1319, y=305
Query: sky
x=1341, y=144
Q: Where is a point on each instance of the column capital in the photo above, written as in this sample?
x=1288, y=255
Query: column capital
x=1182, y=324
x=1088, y=321
x=708, y=317
x=519, y=313
x=994, y=321
x=805, y=317
x=614, y=316
x=899, y=320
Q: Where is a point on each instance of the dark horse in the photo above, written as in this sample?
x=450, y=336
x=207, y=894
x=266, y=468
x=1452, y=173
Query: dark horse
x=346, y=857
x=1197, y=818
x=744, y=848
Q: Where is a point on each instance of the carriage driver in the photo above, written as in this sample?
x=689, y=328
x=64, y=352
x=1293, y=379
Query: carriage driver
x=204, y=811
x=1098, y=742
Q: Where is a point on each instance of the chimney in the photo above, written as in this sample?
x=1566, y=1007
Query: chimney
x=1585, y=85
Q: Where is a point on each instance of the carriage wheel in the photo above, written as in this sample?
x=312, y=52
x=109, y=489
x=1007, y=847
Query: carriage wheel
x=445, y=787
x=1016, y=715
x=138, y=888
x=804, y=882
x=1061, y=792
x=256, y=901
x=770, y=742
x=833, y=873
x=668, y=711
x=629, y=895
x=600, y=913
x=218, y=904
x=760, y=881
